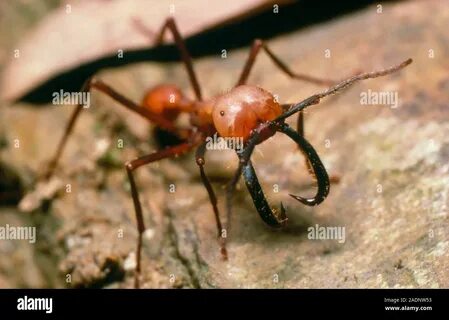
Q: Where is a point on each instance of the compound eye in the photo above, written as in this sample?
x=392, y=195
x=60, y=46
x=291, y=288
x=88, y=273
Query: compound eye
x=222, y=113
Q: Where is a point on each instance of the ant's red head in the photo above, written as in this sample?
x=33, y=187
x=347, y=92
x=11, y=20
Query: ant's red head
x=242, y=109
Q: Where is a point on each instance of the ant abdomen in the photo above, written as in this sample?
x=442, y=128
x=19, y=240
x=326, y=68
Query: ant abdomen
x=166, y=100
x=242, y=109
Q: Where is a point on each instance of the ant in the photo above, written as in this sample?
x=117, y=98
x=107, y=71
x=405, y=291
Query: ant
x=246, y=111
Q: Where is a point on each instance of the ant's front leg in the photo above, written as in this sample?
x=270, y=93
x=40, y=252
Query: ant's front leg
x=131, y=166
x=200, y=161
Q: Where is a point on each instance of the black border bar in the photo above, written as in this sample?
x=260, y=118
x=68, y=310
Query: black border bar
x=209, y=302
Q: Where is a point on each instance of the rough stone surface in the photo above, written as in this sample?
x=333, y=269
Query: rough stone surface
x=392, y=198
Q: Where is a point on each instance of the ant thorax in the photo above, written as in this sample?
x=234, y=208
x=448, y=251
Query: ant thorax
x=201, y=115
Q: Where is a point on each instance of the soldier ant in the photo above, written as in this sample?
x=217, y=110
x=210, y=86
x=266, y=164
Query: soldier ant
x=246, y=111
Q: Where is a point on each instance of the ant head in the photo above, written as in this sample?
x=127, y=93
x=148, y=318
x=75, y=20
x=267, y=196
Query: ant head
x=166, y=100
x=242, y=109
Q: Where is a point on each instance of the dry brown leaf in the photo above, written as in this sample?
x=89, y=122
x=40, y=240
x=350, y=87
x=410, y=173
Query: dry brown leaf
x=76, y=33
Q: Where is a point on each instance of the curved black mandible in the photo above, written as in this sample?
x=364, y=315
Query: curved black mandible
x=277, y=218
x=270, y=216
x=317, y=166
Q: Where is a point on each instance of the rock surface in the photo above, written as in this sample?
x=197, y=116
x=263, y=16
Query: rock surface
x=392, y=199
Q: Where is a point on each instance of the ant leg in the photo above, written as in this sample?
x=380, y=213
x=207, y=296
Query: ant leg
x=132, y=166
x=230, y=190
x=68, y=130
x=199, y=156
x=170, y=24
x=130, y=105
x=255, y=49
x=300, y=123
